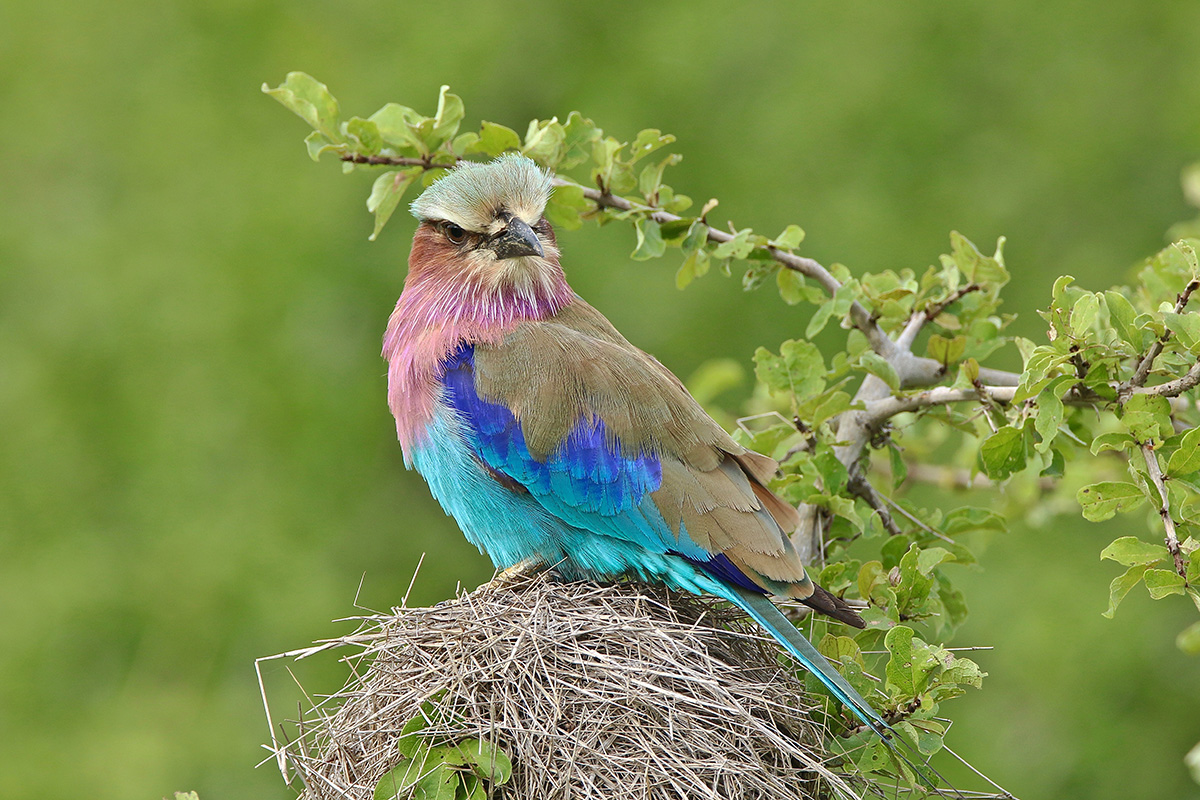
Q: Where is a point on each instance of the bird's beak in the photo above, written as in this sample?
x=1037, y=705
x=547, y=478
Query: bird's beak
x=518, y=239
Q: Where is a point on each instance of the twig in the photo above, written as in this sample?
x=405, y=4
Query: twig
x=922, y=525
x=961, y=479
x=859, y=316
x=859, y=486
x=934, y=309
x=1174, y=388
x=1164, y=509
x=879, y=411
x=1147, y=363
x=426, y=162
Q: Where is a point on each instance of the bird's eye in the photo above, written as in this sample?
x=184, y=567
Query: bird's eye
x=454, y=233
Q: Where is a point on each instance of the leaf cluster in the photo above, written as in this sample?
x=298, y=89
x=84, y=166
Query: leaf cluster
x=433, y=766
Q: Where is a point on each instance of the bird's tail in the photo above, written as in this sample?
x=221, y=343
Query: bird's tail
x=764, y=612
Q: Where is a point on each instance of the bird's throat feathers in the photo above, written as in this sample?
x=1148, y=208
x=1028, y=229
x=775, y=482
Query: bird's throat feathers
x=450, y=297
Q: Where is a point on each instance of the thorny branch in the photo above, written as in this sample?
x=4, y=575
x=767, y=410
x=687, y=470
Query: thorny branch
x=1154, y=469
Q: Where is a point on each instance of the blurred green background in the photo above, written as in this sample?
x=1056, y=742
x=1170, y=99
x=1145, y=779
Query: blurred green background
x=197, y=464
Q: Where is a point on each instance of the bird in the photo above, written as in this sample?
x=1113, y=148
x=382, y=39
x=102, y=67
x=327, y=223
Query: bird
x=557, y=444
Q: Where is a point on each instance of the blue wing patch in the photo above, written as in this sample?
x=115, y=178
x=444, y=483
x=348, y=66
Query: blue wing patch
x=586, y=481
x=584, y=470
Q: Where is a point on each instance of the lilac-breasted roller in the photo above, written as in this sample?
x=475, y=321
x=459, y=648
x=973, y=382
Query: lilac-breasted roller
x=556, y=443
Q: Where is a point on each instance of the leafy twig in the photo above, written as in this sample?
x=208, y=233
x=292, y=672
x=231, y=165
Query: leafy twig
x=859, y=486
x=934, y=309
x=1154, y=470
x=1144, y=366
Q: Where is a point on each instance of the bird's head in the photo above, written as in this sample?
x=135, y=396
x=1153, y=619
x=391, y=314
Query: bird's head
x=482, y=230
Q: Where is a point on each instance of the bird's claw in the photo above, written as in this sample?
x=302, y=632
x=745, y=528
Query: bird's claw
x=518, y=573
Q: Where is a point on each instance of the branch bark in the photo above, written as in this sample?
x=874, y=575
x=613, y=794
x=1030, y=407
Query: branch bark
x=1189, y=380
x=1154, y=470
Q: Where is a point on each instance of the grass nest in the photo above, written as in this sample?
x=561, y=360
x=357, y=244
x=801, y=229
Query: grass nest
x=594, y=692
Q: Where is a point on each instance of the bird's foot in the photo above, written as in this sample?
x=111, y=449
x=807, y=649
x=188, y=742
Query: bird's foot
x=520, y=572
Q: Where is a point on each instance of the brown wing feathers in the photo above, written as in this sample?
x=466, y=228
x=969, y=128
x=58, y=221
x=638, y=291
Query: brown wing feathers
x=577, y=364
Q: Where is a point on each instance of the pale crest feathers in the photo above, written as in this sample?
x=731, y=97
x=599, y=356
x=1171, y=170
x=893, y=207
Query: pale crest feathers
x=472, y=194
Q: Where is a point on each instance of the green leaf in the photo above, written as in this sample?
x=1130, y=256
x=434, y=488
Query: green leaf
x=694, y=266
x=1083, y=315
x=899, y=668
x=840, y=649
x=545, y=141
x=646, y=142
x=486, y=760
x=1147, y=418
x=651, y=177
x=1122, y=315
x=579, y=138
x=1100, y=501
x=396, y=126
x=946, y=351
x=473, y=788
x=833, y=472
x=1186, y=328
x=969, y=518
x=1111, y=441
x=439, y=784
x=364, y=135
x=1188, y=641
x=929, y=734
x=566, y=203
x=790, y=239
x=790, y=284
x=650, y=243
x=310, y=100
x=445, y=122
x=1003, y=453
x=1120, y=587
x=737, y=247
x=493, y=140
x=881, y=368
x=819, y=319
x=799, y=368
x=826, y=406
x=1186, y=459
x=386, y=193
x=316, y=144
x=977, y=267
x=1131, y=551
x=1163, y=582
x=1189, y=256
x=899, y=468
x=399, y=780
x=1049, y=416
